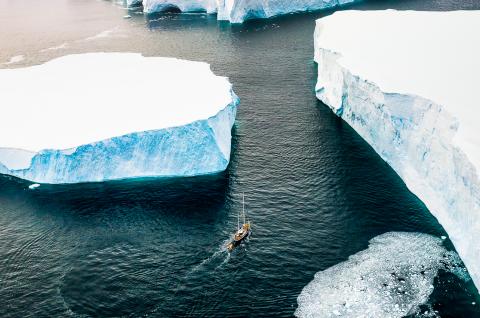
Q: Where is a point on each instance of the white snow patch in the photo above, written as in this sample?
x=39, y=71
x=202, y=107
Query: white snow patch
x=389, y=279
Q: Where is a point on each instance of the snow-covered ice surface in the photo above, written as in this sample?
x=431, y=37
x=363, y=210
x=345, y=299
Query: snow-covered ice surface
x=407, y=82
x=391, y=278
x=15, y=158
x=102, y=116
x=237, y=11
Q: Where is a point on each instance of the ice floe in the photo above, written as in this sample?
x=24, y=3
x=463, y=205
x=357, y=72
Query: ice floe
x=391, y=278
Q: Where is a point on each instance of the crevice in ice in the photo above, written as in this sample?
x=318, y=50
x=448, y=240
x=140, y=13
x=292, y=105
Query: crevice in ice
x=171, y=9
x=168, y=8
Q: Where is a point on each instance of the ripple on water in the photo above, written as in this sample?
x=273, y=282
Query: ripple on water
x=391, y=278
x=114, y=281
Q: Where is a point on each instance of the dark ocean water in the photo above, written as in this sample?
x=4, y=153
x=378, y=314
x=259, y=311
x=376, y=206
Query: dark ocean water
x=315, y=191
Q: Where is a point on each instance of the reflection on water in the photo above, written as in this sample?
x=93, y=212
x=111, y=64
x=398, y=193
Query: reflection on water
x=187, y=197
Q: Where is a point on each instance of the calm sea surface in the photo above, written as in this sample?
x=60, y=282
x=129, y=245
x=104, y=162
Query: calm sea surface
x=315, y=191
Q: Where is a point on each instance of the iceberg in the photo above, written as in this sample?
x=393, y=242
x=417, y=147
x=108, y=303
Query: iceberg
x=103, y=116
x=407, y=82
x=237, y=11
x=391, y=278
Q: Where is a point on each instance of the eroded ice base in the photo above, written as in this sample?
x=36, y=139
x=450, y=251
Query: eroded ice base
x=237, y=11
x=391, y=278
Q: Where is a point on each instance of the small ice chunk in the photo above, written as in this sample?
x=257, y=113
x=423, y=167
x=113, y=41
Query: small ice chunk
x=105, y=34
x=443, y=237
x=15, y=59
x=33, y=186
x=55, y=48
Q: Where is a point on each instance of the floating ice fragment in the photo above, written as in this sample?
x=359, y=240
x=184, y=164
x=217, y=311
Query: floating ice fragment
x=55, y=48
x=15, y=59
x=33, y=186
x=115, y=32
x=392, y=286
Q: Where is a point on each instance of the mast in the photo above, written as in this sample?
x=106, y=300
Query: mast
x=238, y=221
x=243, y=199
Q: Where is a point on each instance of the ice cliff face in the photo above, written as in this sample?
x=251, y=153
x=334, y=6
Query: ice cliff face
x=237, y=11
x=407, y=83
x=201, y=147
x=75, y=129
x=241, y=10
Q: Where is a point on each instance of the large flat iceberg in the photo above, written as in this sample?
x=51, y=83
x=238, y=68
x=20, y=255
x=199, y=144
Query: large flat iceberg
x=237, y=11
x=407, y=82
x=103, y=116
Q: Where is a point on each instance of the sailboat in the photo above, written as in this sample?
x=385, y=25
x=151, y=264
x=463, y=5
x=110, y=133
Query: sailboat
x=242, y=232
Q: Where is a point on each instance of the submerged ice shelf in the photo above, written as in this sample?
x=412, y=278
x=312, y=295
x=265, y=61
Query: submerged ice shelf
x=102, y=116
x=407, y=82
x=391, y=278
x=237, y=11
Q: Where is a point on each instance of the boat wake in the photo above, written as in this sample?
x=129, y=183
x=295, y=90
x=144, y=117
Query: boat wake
x=215, y=261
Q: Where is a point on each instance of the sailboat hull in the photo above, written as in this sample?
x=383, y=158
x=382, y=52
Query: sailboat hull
x=237, y=241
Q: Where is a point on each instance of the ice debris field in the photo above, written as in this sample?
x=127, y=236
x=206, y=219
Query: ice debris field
x=407, y=82
x=102, y=116
x=391, y=278
x=237, y=11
